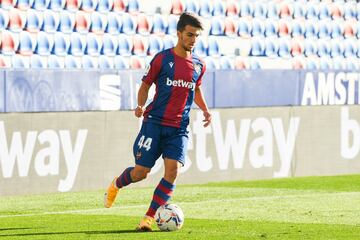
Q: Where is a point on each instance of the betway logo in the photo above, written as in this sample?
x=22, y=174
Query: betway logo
x=180, y=83
x=47, y=159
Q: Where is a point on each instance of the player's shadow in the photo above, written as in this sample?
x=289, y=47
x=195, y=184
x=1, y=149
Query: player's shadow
x=73, y=232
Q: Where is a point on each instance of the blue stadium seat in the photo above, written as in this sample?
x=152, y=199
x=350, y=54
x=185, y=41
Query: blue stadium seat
x=93, y=45
x=40, y=5
x=272, y=11
x=54, y=62
x=323, y=48
x=51, y=21
x=168, y=41
x=244, y=28
x=218, y=8
x=284, y=48
x=8, y=44
x=325, y=63
x=298, y=10
x=87, y=62
x=4, y=19
x=350, y=48
x=324, y=29
x=133, y=6
x=312, y=11
x=128, y=24
x=352, y=64
x=257, y=28
x=155, y=45
x=271, y=47
x=61, y=44
x=105, y=6
x=312, y=64
x=105, y=63
x=57, y=5
x=67, y=22
x=121, y=63
x=77, y=44
x=26, y=45
x=82, y=22
x=310, y=48
x=324, y=11
x=159, y=24
x=254, y=64
x=311, y=30
x=110, y=45
x=143, y=25
x=71, y=62
x=89, y=5
x=206, y=9
x=357, y=31
x=358, y=12
x=18, y=61
x=44, y=44
x=257, y=47
x=211, y=63
x=172, y=24
x=200, y=48
x=192, y=6
x=125, y=45
x=16, y=23
x=226, y=63
x=37, y=61
x=232, y=8
x=246, y=9
x=336, y=30
x=114, y=24
x=298, y=29
x=230, y=27
x=217, y=26
x=337, y=48
x=349, y=10
x=97, y=23
x=260, y=10
x=33, y=21
x=24, y=4
x=213, y=48
x=338, y=63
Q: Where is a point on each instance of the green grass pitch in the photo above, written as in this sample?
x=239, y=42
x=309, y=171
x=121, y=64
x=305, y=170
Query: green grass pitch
x=293, y=208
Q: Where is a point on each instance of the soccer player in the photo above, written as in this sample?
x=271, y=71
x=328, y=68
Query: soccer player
x=177, y=75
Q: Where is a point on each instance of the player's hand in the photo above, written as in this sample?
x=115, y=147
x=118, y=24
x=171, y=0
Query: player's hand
x=207, y=118
x=139, y=111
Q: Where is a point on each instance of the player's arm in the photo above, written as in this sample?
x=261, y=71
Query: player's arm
x=141, y=99
x=200, y=101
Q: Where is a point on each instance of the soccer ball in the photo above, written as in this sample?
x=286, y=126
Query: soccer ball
x=169, y=217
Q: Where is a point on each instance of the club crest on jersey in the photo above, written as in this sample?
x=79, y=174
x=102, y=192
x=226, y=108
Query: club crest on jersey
x=197, y=68
x=171, y=64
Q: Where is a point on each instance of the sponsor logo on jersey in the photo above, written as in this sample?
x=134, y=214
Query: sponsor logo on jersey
x=171, y=64
x=180, y=83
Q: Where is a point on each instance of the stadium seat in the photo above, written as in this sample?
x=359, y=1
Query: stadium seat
x=218, y=8
x=143, y=25
x=177, y=7
x=324, y=11
x=57, y=5
x=110, y=45
x=299, y=10
x=169, y=41
x=139, y=47
x=88, y=62
x=89, y=5
x=159, y=24
x=226, y=63
x=8, y=4
x=172, y=24
x=211, y=63
x=77, y=44
x=335, y=12
x=337, y=30
x=54, y=62
x=337, y=48
x=72, y=5
x=3, y=63
x=206, y=9
x=33, y=21
x=40, y=5
x=128, y=24
x=241, y=63
x=311, y=30
x=284, y=11
x=357, y=31
x=325, y=63
x=82, y=22
x=257, y=28
x=297, y=63
x=137, y=63
x=51, y=21
x=105, y=6
x=272, y=11
x=16, y=22
x=296, y=48
x=260, y=10
x=254, y=64
x=349, y=10
x=105, y=63
x=349, y=31
x=192, y=6
x=339, y=63
x=213, y=48
x=4, y=19
x=36, y=61
x=97, y=23
x=26, y=44
x=271, y=47
x=310, y=48
x=18, y=61
x=9, y=44
x=71, y=62
x=297, y=29
x=350, y=48
x=271, y=28
x=119, y=6
x=244, y=28
x=284, y=48
x=44, y=44
x=61, y=44
x=283, y=28
x=246, y=9
x=323, y=48
x=93, y=45
x=200, y=48
x=67, y=22
x=121, y=63
x=230, y=27
x=257, y=47
x=324, y=29
x=312, y=11
x=133, y=6
x=125, y=45
x=232, y=8
x=358, y=12
x=24, y=4
x=155, y=45
x=312, y=64
x=114, y=24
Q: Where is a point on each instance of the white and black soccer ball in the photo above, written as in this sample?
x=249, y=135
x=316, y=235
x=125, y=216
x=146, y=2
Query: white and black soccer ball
x=169, y=217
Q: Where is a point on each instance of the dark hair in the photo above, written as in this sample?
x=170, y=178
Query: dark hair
x=188, y=19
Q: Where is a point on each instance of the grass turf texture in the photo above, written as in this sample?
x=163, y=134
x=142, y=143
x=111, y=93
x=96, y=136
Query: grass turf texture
x=295, y=208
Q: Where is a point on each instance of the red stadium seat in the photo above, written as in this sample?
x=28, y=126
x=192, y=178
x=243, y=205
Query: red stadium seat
x=72, y=5
x=284, y=28
x=296, y=48
x=232, y=8
x=82, y=22
x=137, y=63
x=284, y=11
x=139, y=46
x=16, y=22
x=348, y=29
x=230, y=28
x=143, y=25
x=177, y=7
x=119, y=6
x=8, y=4
x=9, y=43
x=23, y=4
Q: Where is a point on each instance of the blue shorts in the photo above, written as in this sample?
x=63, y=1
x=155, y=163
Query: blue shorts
x=155, y=139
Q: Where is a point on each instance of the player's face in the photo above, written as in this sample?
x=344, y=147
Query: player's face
x=187, y=38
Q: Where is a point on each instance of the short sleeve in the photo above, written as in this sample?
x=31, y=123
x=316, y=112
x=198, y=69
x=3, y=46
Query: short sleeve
x=153, y=70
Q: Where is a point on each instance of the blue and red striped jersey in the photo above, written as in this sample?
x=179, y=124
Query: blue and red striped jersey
x=175, y=79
